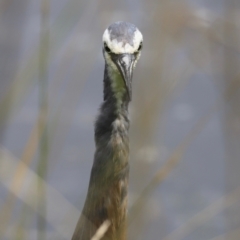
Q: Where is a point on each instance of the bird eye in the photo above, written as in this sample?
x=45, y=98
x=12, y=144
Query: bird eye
x=106, y=48
x=140, y=47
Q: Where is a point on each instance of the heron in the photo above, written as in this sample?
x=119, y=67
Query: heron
x=108, y=186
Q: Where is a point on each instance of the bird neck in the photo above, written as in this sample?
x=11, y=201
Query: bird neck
x=107, y=193
x=113, y=117
x=111, y=161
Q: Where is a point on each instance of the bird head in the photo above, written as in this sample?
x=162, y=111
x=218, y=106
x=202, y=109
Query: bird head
x=122, y=45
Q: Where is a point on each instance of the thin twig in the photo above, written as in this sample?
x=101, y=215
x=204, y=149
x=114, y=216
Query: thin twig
x=172, y=161
x=101, y=230
x=203, y=216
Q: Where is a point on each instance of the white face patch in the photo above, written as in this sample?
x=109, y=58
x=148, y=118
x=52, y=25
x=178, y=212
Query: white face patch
x=120, y=47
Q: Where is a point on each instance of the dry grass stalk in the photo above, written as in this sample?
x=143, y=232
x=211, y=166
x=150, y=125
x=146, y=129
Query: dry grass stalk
x=172, y=161
x=204, y=216
x=101, y=230
x=18, y=178
x=233, y=235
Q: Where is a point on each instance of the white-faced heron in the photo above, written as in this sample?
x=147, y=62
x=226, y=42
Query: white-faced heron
x=107, y=193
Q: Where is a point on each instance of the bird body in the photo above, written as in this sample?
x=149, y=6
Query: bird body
x=107, y=193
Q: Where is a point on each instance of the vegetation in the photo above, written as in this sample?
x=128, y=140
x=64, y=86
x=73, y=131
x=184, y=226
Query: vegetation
x=185, y=127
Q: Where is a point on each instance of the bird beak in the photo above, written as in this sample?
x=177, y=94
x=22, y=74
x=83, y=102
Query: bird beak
x=124, y=63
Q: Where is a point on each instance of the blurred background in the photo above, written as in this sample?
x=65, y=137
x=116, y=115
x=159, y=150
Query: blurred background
x=185, y=116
